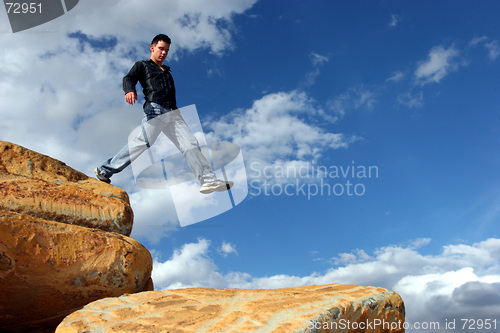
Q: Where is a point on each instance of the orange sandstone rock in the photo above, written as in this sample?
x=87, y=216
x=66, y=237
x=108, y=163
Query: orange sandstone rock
x=50, y=269
x=329, y=308
x=17, y=160
x=40, y=186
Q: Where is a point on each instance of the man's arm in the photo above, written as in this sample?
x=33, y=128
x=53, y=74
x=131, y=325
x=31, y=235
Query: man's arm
x=130, y=81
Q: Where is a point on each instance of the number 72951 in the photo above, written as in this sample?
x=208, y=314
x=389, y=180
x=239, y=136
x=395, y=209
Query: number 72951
x=23, y=8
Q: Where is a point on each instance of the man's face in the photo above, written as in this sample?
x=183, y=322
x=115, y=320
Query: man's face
x=159, y=51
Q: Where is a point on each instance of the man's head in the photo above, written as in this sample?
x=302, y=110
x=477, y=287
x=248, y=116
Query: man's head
x=160, y=46
x=160, y=37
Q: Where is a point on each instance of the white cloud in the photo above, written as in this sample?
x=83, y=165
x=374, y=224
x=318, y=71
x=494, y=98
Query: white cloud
x=440, y=63
x=463, y=281
x=394, y=21
x=418, y=243
x=192, y=24
x=353, y=98
x=396, y=76
x=227, y=249
x=186, y=267
x=279, y=128
x=411, y=100
x=351, y=258
x=365, y=99
x=318, y=59
x=493, y=49
x=477, y=40
x=310, y=78
x=154, y=214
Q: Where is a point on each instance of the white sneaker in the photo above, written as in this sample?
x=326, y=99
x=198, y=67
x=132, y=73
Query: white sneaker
x=216, y=186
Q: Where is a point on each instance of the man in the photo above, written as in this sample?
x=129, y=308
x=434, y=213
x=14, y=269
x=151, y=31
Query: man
x=160, y=115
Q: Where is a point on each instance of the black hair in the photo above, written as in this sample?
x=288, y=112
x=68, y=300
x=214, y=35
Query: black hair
x=160, y=37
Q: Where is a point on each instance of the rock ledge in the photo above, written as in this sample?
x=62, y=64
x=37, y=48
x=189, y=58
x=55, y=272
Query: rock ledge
x=299, y=309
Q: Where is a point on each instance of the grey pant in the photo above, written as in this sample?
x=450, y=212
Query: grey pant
x=158, y=119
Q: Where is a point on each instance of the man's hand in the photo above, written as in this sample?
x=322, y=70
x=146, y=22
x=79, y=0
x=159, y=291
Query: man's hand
x=131, y=97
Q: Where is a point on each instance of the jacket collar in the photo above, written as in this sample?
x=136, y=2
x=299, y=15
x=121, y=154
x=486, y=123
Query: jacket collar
x=165, y=67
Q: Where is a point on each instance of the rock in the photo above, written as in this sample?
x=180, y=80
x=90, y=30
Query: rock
x=326, y=308
x=42, y=187
x=50, y=269
x=17, y=160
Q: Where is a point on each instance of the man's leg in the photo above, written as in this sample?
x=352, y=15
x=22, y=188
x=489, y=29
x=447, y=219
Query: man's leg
x=142, y=139
x=179, y=133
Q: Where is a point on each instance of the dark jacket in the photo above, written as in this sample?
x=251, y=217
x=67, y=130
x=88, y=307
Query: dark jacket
x=158, y=86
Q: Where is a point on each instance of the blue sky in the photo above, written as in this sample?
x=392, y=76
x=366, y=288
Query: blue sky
x=410, y=89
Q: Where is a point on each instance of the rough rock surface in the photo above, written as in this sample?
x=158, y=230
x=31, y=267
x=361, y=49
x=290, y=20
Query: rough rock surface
x=50, y=269
x=326, y=308
x=40, y=186
x=63, y=241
